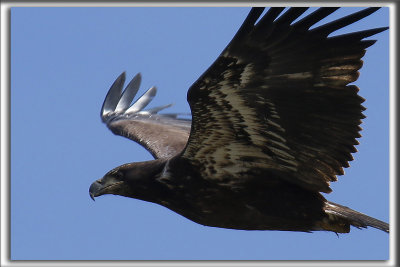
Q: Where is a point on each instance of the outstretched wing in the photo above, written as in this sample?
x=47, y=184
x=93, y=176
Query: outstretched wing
x=163, y=135
x=277, y=100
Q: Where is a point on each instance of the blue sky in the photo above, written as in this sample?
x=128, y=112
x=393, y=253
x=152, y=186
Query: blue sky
x=63, y=61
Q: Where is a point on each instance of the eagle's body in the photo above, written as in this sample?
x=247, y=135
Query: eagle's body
x=274, y=121
x=240, y=206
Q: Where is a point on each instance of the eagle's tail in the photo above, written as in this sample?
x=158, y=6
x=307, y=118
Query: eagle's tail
x=341, y=217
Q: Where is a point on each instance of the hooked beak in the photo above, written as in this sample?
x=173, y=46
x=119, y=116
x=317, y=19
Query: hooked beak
x=95, y=189
x=106, y=185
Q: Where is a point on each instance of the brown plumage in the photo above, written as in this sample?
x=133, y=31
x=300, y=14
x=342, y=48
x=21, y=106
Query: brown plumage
x=274, y=121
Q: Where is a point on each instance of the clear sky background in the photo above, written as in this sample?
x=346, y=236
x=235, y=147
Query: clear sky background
x=63, y=61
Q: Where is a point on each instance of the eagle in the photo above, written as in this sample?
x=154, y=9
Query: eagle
x=274, y=120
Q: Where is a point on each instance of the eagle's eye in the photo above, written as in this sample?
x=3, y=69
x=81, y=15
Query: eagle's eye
x=119, y=175
x=115, y=175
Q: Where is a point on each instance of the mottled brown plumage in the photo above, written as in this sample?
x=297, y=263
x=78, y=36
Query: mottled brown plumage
x=274, y=121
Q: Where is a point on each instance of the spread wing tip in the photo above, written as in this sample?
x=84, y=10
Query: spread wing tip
x=113, y=96
x=118, y=102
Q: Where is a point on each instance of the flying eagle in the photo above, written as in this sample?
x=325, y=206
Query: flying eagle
x=274, y=121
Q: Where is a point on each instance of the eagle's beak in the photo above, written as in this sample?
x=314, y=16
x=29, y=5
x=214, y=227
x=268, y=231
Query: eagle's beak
x=95, y=189
x=106, y=185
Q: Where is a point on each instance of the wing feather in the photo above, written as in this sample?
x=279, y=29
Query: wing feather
x=113, y=96
x=163, y=135
x=278, y=100
x=129, y=93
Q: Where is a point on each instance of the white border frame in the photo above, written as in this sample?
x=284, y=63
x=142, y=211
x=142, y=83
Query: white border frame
x=6, y=149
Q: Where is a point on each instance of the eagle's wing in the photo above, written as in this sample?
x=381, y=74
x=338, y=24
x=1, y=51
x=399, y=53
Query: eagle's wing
x=163, y=135
x=277, y=100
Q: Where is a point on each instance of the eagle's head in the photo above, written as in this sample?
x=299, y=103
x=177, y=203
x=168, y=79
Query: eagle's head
x=129, y=180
